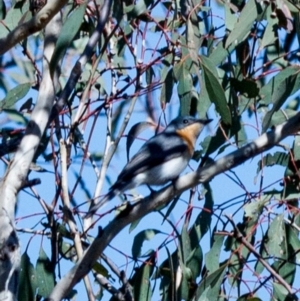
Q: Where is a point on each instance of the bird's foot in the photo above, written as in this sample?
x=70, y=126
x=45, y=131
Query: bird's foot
x=152, y=191
x=174, y=183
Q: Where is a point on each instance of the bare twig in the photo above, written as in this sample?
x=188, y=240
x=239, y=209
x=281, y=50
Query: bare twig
x=16, y=173
x=86, y=55
x=112, y=265
x=69, y=214
x=239, y=236
x=165, y=195
x=109, y=152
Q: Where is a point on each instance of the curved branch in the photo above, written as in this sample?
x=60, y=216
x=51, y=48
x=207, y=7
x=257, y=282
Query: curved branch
x=85, y=56
x=165, y=195
x=239, y=236
x=16, y=173
x=35, y=24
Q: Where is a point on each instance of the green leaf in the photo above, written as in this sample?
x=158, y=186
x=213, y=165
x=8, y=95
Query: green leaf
x=184, y=88
x=259, y=268
x=168, y=266
x=230, y=18
x=220, y=53
x=14, y=16
x=203, y=101
x=245, y=21
x=165, y=277
x=68, y=32
x=289, y=192
x=203, y=220
x=16, y=116
x=215, y=90
x=280, y=293
x=281, y=116
x=193, y=39
x=149, y=75
x=294, y=242
x=134, y=224
x=67, y=251
x=138, y=9
x=286, y=88
x=44, y=275
x=269, y=89
x=236, y=266
x=211, y=284
x=204, y=295
x=276, y=243
x=27, y=282
x=254, y=209
x=270, y=32
x=100, y=269
x=185, y=244
x=296, y=148
x=167, y=88
x=117, y=10
x=208, y=64
x=212, y=143
x=142, y=283
x=14, y=95
x=278, y=158
x=286, y=270
x=212, y=256
x=183, y=273
x=247, y=87
x=194, y=263
x=192, y=257
x=139, y=240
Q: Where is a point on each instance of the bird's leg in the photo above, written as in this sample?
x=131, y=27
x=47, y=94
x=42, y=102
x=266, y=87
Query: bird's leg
x=152, y=191
x=174, y=182
x=125, y=198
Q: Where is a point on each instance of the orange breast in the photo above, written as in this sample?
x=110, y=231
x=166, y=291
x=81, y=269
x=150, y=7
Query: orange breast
x=187, y=137
x=189, y=134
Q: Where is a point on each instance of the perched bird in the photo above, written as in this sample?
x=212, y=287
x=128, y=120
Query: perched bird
x=160, y=160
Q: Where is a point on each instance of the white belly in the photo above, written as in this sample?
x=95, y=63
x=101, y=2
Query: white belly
x=163, y=173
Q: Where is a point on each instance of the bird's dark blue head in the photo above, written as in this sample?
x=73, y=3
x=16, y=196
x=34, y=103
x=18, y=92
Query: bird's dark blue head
x=188, y=128
x=187, y=122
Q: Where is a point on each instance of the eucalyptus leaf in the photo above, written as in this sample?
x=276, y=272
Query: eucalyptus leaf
x=68, y=32
x=14, y=95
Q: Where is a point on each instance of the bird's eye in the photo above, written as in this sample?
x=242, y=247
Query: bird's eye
x=185, y=121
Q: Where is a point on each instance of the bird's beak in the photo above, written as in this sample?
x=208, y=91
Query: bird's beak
x=205, y=121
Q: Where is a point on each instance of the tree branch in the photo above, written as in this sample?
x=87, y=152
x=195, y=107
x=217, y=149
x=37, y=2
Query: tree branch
x=165, y=195
x=35, y=24
x=239, y=236
x=68, y=214
x=85, y=56
x=16, y=173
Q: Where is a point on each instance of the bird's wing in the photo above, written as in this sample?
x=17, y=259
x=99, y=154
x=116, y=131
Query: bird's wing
x=154, y=152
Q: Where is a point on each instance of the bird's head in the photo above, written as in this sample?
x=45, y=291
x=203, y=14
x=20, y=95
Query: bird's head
x=188, y=126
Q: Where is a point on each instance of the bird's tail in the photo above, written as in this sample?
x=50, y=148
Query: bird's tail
x=109, y=196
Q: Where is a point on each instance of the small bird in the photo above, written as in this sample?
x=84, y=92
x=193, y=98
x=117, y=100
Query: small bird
x=160, y=160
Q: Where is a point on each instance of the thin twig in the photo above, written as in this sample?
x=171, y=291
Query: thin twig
x=68, y=214
x=165, y=195
x=239, y=236
x=85, y=56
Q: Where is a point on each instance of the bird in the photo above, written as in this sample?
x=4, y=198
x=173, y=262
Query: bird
x=161, y=159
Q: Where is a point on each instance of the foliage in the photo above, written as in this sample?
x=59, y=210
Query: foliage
x=236, y=62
